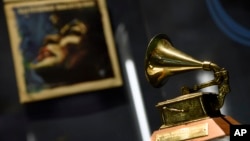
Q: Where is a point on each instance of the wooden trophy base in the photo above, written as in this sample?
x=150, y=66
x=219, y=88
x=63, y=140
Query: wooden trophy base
x=200, y=130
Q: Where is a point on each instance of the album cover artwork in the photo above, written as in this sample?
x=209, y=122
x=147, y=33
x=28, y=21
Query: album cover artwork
x=61, y=47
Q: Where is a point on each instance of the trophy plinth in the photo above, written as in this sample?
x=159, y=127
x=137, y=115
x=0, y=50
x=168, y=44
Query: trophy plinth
x=194, y=115
x=199, y=130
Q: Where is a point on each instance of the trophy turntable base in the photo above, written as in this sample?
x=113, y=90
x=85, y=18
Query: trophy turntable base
x=200, y=130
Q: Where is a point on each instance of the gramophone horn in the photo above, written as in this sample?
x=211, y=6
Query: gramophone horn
x=163, y=60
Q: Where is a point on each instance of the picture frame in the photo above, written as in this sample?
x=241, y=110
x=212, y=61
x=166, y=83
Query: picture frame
x=61, y=47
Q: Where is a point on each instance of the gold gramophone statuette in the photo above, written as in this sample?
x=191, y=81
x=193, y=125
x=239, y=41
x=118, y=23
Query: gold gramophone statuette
x=194, y=114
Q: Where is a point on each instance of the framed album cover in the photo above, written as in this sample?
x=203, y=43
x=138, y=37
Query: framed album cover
x=61, y=47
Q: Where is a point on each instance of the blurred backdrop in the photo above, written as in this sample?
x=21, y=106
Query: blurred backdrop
x=217, y=31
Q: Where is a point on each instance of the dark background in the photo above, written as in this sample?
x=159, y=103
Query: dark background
x=108, y=114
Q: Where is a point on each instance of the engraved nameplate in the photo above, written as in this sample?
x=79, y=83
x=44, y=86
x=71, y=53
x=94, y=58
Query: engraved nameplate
x=185, y=133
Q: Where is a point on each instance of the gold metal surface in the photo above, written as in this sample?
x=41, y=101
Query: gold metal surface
x=188, y=108
x=162, y=60
x=186, y=133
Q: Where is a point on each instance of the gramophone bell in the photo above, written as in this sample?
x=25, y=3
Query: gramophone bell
x=163, y=60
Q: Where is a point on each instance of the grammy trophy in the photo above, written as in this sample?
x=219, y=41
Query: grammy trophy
x=194, y=115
